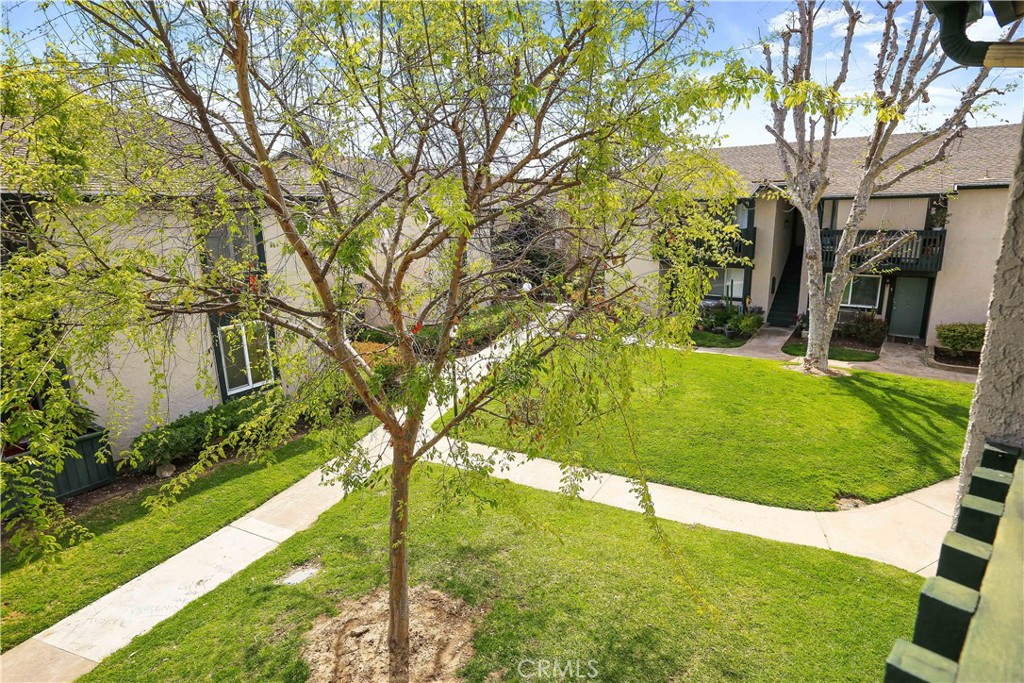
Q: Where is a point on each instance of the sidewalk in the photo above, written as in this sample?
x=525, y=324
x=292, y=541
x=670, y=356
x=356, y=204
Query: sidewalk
x=893, y=358
x=906, y=531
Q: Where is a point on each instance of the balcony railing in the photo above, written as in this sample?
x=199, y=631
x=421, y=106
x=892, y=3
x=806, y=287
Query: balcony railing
x=730, y=252
x=921, y=254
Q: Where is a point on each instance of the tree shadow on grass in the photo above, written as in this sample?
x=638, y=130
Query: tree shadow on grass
x=925, y=419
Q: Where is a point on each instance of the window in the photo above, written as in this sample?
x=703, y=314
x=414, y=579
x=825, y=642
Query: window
x=728, y=283
x=861, y=292
x=938, y=213
x=743, y=212
x=245, y=356
x=828, y=211
x=234, y=243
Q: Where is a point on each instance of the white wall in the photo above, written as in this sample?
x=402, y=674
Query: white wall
x=897, y=213
x=973, y=232
x=765, y=241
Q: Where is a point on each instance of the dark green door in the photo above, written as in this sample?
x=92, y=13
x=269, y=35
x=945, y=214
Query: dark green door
x=908, y=303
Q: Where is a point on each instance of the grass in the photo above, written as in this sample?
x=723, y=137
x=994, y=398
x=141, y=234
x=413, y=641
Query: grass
x=834, y=353
x=597, y=588
x=753, y=430
x=129, y=539
x=714, y=340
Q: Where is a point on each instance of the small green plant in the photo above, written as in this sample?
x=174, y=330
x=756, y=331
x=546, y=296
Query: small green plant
x=749, y=323
x=960, y=337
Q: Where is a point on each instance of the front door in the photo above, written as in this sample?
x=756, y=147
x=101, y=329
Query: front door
x=908, y=302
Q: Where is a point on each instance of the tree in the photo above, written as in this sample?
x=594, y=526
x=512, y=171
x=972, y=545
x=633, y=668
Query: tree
x=521, y=242
x=909, y=63
x=384, y=144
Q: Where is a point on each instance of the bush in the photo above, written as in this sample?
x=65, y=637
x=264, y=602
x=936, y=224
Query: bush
x=483, y=326
x=865, y=328
x=750, y=323
x=960, y=337
x=476, y=329
x=184, y=438
x=370, y=334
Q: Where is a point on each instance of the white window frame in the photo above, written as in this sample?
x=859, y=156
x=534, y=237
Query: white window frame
x=245, y=353
x=848, y=292
x=724, y=274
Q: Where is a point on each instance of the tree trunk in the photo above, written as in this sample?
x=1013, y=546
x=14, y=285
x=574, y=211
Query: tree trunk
x=821, y=317
x=398, y=567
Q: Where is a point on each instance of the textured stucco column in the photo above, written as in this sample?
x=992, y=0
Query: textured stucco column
x=997, y=412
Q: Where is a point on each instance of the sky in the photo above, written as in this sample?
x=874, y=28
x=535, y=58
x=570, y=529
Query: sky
x=740, y=25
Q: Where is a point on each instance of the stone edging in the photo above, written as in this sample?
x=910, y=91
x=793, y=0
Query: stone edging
x=929, y=359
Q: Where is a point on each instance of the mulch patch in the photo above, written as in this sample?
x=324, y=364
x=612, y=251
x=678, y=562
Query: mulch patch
x=966, y=359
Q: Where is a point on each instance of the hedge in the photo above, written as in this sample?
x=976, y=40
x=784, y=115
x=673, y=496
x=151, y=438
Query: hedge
x=960, y=337
x=184, y=438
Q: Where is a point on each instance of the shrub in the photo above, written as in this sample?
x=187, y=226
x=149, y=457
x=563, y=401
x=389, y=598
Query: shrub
x=370, y=334
x=960, y=337
x=749, y=323
x=185, y=437
x=865, y=328
x=483, y=326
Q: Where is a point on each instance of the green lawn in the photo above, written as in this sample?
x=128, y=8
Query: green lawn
x=753, y=430
x=129, y=539
x=834, y=353
x=713, y=340
x=596, y=586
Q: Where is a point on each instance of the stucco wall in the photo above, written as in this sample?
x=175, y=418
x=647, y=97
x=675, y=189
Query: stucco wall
x=187, y=360
x=973, y=233
x=892, y=214
x=764, y=221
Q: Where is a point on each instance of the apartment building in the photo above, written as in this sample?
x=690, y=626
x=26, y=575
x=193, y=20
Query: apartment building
x=955, y=209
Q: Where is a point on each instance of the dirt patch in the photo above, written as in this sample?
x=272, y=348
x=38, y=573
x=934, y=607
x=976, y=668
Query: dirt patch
x=832, y=371
x=839, y=343
x=353, y=646
x=966, y=359
x=844, y=502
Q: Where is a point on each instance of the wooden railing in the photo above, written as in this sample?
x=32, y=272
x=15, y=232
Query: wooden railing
x=921, y=254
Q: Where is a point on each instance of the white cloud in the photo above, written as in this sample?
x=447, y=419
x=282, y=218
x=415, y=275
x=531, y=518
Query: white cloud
x=825, y=18
x=986, y=28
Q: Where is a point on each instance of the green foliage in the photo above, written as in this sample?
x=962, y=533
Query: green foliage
x=960, y=337
x=727, y=318
x=750, y=322
x=184, y=438
x=866, y=328
x=404, y=126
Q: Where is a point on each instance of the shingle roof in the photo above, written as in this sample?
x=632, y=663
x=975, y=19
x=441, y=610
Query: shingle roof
x=982, y=156
x=179, y=148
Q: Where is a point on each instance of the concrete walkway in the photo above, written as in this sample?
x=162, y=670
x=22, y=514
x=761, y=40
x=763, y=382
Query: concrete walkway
x=893, y=358
x=766, y=343
x=904, y=359
x=906, y=532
